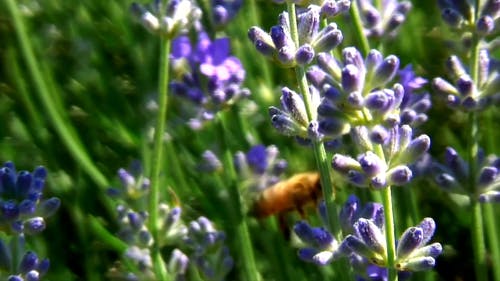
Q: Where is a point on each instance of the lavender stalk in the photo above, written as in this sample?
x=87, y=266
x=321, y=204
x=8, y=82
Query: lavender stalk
x=318, y=147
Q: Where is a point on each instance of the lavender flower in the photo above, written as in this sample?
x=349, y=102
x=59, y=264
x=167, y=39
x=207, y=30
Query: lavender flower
x=224, y=11
x=178, y=264
x=454, y=174
x=134, y=186
x=179, y=15
x=133, y=222
x=22, y=207
x=292, y=119
x=414, y=106
x=464, y=93
x=207, y=75
x=456, y=15
x=210, y=162
x=209, y=254
x=320, y=247
x=352, y=211
x=259, y=168
x=28, y=266
x=369, y=169
x=279, y=45
x=412, y=253
x=328, y=8
x=385, y=20
x=354, y=91
x=318, y=244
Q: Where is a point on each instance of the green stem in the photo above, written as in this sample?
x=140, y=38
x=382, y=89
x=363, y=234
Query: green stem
x=318, y=147
x=390, y=238
x=59, y=120
x=157, y=157
x=477, y=230
x=105, y=236
x=478, y=242
x=389, y=234
x=235, y=215
x=358, y=26
x=492, y=234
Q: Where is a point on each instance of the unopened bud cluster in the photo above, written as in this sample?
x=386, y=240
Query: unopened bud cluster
x=279, y=44
x=461, y=92
x=371, y=170
x=415, y=104
x=454, y=176
x=259, y=168
x=356, y=91
x=365, y=243
x=385, y=20
x=458, y=15
x=23, y=212
x=167, y=19
x=206, y=74
x=223, y=11
x=192, y=239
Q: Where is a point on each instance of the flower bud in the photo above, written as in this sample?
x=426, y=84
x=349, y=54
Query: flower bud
x=308, y=24
x=444, y=86
x=410, y=240
x=344, y=164
x=371, y=164
x=485, y=25
x=452, y=17
x=351, y=78
x=178, y=262
x=385, y=71
x=399, y=175
x=491, y=196
x=305, y=54
x=329, y=38
x=294, y=105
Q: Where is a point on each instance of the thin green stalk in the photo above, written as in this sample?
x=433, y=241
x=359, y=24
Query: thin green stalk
x=58, y=119
x=235, y=215
x=318, y=148
x=477, y=231
x=477, y=226
x=478, y=242
x=157, y=157
x=319, y=151
x=100, y=231
x=389, y=234
x=358, y=26
x=34, y=116
x=492, y=235
x=390, y=237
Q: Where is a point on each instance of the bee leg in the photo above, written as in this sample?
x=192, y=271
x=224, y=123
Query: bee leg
x=301, y=212
x=284, y=226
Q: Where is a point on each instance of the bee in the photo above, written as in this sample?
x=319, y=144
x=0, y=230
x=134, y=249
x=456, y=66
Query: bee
x=292, y=194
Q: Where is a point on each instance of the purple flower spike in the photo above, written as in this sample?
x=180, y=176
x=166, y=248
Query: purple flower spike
x=412, y=252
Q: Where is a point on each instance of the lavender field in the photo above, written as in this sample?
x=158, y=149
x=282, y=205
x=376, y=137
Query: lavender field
x=250, y=140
